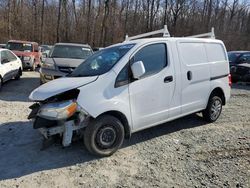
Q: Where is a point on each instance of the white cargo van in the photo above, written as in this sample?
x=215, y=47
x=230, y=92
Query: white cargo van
x=132, y=86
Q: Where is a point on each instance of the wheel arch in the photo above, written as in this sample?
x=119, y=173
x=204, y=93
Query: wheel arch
x=122, y=118
x=218, y=91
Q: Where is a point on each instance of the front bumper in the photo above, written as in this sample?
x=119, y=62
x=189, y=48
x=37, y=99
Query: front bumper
x=66, y=129
x=47, y=75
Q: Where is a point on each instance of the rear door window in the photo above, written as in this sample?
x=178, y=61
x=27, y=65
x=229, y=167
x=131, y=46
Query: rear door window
x=153, y=57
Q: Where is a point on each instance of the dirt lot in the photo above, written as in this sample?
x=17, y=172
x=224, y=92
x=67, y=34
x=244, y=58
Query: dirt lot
x=183, y=153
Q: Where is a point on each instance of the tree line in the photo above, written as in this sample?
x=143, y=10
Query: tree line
x=104, y=22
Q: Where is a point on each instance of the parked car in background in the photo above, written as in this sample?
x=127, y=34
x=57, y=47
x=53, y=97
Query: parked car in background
x=239, y=62
x=27, y=51
x=2, y=45
x=63, y=59
x=45, y=49
x=10, y=66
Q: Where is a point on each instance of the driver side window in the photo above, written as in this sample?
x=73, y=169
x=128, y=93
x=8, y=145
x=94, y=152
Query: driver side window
x=153, y=57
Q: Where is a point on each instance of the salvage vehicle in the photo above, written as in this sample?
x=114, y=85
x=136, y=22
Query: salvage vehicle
x=27, y=51
x=131, y=86
x=63, y=59
x=239, y=62
x=10, y=66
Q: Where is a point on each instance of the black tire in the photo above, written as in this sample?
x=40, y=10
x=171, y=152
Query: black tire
x=17, y=77
x=104, y=135
x=213, y=110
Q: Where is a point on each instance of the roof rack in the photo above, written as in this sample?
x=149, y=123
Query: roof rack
x=208, y=35
x=166, y=33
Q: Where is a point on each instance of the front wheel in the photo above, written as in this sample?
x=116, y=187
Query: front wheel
x=213, y=110
x=17, y=77
x=104, y=135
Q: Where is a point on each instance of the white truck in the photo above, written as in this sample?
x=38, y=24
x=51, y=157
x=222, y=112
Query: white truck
x=10, y=66
x=132, y=86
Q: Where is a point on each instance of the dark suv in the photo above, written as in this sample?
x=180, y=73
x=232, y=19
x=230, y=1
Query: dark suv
x=239, y=62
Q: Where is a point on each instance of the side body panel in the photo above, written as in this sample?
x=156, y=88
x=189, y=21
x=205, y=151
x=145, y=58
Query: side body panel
x=195, y=75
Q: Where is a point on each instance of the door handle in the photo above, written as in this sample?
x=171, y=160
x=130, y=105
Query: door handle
x=168, y=79
x=189, y=75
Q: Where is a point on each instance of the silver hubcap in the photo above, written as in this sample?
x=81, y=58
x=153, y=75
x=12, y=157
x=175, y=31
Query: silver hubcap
x=215, y=109
x=107, y=137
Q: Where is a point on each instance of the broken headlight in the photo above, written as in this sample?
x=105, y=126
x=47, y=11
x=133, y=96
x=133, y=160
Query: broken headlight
x=58, y=110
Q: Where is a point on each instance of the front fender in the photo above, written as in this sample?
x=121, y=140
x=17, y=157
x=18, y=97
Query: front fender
x=101, y=96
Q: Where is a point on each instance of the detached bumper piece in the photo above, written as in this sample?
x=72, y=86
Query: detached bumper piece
x=65, y=129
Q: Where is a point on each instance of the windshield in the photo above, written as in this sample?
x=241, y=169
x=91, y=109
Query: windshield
x=71, y=52
x=19, y=46
x=102, y=61
x=233, y=56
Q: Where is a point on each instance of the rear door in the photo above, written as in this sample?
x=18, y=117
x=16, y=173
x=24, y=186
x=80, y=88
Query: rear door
x=150, y=96
x=14, y=63
x=195, y=75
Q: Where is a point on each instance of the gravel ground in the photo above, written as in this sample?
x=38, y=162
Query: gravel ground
x=183, y=153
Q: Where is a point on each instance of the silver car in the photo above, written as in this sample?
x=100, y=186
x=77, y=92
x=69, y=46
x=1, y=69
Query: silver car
x=63, y=59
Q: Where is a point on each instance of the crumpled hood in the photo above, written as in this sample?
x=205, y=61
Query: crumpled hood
x=58, y=86
x=65, y=62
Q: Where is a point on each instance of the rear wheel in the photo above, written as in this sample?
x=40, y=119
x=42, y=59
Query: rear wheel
x=104, y=135
x=213, y=110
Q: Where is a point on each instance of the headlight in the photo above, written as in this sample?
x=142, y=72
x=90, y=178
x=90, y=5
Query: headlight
x=48, y=65
x=58, y=110
x=26, y=58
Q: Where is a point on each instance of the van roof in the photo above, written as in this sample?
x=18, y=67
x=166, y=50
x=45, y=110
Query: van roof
x=73, y=44
x=22, y=41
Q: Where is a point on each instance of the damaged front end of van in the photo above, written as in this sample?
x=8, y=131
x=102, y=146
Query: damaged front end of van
x=56, y=111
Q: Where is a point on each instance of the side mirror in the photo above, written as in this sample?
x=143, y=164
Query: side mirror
x=138, y=69
x=3, y=61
